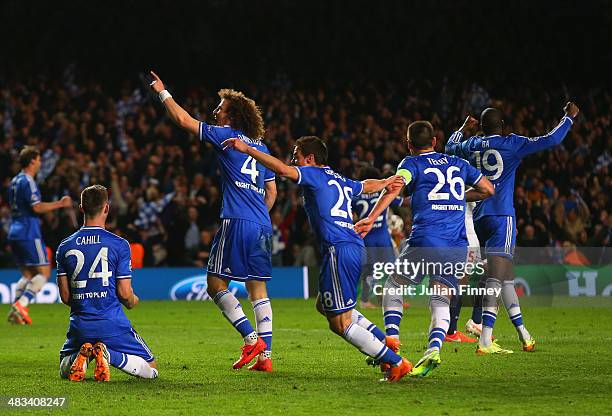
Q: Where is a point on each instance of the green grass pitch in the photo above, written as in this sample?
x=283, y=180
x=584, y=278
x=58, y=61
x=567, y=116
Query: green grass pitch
x=316, y=372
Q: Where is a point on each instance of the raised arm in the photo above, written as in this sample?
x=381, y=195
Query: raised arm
x=528, y=145
x=272, y=163
x=455, y=144
x=177, y=114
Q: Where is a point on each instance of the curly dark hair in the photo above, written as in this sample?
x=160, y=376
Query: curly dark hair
x=244, y=113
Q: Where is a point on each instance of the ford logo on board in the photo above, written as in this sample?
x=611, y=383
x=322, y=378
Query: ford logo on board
x=194, y=288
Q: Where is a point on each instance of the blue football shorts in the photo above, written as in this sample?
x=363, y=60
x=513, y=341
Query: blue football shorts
x=241, y=250
x=498, y=234
x=339, y=277
x=30, y=252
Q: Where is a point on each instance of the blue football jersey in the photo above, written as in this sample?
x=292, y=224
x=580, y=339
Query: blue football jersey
x=437, y=184
x=23, y=194
x=327, y=201
x=93, y=259
x=498, y=157
x=242, y=177
x=379, y=235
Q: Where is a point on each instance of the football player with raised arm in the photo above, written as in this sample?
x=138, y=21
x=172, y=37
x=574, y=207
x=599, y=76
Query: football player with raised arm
x=242, y=248
x=498, y=156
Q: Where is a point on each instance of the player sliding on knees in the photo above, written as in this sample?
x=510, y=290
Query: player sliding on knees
x=25, y=236
x=437, y=185
x=327, y=201
x=498, y=157
x=241, y=248
x=94, y=272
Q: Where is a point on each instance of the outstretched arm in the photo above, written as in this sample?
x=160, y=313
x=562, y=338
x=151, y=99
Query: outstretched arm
x=364, y=226
x=483, y=189
x=528, y=145
x=43, y=207
x=376, y=185
x=267, y=160
x=177, y=114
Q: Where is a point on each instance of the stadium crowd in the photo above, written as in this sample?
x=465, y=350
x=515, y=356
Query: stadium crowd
x=165, y=188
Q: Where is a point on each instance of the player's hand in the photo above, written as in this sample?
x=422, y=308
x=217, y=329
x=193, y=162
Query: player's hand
x=394, y=183
x=65, y=202
x=156, y=85
x=364, y=226
x=136, y=300
x=571, y=109
x=470, y=124
x=235, y=144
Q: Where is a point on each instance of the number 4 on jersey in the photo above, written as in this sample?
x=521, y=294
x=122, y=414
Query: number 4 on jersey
x=252, y=170
x=101, y=258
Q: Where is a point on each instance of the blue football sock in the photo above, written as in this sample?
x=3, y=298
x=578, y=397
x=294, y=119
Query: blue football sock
x=455, y=311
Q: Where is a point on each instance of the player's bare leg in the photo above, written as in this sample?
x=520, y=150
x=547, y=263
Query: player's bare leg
x=258, y=295
x=342, y=324
x=232, y=311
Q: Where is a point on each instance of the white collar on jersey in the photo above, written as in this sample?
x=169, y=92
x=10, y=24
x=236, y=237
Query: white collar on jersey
x=91, y=227
x=427, y=153
x=492, y=135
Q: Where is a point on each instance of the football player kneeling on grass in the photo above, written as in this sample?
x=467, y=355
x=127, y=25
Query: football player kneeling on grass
x=94, y=275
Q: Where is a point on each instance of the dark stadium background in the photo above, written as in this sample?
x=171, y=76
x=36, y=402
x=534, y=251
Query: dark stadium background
x=534, y=56
x=534, y=42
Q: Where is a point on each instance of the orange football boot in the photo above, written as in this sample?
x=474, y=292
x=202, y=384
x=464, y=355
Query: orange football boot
x=262, y=365
x=79, y=366
x=22, y=312
x=459, y=336
x=396, y=373
x=249, y=352
x=102, y=357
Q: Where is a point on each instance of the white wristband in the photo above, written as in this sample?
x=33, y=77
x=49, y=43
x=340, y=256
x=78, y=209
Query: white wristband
x=164, y=95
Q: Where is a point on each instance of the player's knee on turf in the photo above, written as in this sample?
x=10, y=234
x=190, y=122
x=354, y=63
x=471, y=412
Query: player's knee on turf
x=64, y=366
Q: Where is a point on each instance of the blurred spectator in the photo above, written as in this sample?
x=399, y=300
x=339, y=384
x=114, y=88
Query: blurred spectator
x=165, y=185
x=202, y=251
x=192, y=236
